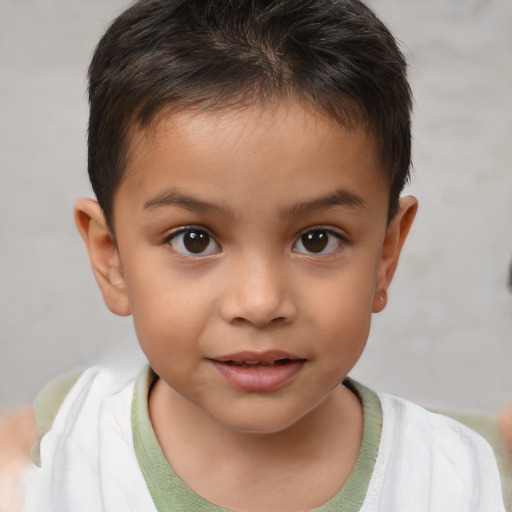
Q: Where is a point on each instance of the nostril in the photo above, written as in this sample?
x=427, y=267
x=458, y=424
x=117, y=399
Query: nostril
x=258, y=323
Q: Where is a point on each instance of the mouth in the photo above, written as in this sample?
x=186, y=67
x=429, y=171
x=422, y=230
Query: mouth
x=254, y=364
x=258, y=372
x=268, y=358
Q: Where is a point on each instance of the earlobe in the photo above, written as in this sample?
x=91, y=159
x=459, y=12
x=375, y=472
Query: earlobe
x=380, y=300
x=103, y=255
x=396, y=234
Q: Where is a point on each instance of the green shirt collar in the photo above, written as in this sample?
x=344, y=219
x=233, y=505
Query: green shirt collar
x=170, y=493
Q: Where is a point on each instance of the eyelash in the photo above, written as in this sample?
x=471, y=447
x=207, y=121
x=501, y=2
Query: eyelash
x=324, y=239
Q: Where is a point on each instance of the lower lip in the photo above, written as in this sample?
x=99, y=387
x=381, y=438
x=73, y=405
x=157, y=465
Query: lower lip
x=258, y=378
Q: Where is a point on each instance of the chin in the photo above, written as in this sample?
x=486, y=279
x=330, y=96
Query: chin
x=259, y=422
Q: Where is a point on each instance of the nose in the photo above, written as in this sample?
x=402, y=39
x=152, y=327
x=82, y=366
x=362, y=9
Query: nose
x=258, y=294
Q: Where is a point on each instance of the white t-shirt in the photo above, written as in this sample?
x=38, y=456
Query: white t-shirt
x=101, y=454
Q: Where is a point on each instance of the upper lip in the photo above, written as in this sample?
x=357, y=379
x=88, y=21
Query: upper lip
x=251, y=357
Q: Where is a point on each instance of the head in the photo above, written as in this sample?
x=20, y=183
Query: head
x=248, y=158
x=165, y=56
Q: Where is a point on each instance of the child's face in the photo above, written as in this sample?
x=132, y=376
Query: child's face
x=252, y=248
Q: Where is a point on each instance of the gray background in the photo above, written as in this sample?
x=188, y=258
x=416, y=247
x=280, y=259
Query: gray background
x=445, y=339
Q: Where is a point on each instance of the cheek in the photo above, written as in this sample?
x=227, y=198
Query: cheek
x=347, y=334
x=168, y=313
x=341, y=314
x=346, y=298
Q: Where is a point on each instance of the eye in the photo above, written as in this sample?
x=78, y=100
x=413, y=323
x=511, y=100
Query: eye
x=192, y=241
x=318, y=241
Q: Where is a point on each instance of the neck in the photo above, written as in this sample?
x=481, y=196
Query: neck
x=213, y=458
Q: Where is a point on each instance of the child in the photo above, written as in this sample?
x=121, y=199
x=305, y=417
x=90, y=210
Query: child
x=248, y=158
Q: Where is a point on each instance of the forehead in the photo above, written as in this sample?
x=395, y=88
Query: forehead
x=289, y=150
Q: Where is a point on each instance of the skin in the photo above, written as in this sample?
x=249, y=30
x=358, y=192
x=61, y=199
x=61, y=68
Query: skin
x=253, y=183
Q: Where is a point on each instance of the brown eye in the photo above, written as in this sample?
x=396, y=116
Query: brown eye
x=315, y=241
x=196, y=241
x=318, y=241
x=193, y=242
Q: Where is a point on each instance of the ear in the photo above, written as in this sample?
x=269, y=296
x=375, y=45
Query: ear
x=105, y=261
x=396, y=233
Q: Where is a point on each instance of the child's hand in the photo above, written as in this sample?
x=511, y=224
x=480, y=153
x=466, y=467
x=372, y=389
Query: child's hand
x=17, y=432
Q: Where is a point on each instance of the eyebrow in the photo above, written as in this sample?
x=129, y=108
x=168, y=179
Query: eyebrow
x=176, y=198
x=340, y=197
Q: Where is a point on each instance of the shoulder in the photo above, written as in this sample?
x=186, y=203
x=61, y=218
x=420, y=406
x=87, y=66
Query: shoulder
x=438, y=434
x=64, y=396
x=47, y=405
x=449, y=465
x=87, y=449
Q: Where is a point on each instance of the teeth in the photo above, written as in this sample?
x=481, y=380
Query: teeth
x=253, y=362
